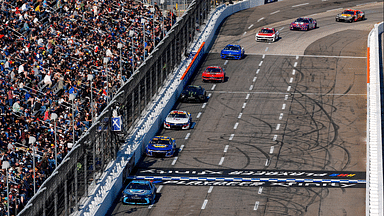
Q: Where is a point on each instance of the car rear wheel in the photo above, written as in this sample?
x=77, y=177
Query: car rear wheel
x=337, y=20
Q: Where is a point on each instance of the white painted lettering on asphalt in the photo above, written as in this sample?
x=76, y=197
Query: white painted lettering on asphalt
x=283, y=106
x=187, y=136
x=235, y=127
x=204, y=104
x=174, y=161
x=181, y=148
x=204, y=204
x=244, y=104
x=293, y=72
x=260, y=190
x=226, y=148
x=221, y=161
x=250, y=87
x=250, y=26
x=272, y=148
x=281, y=116
x=210, y=189
x=198, y=115
x=246, y=97
x=213, y=87
x=231, y=137
x=260, y=63
x=260, y=19
x=258, y=70
x=289, y=88
x=256, y=205
x=274, y=137
x=300, y=5
x=295, y=64
x=275, y=12
x=277, y=126
x=240, y=114
x=159, y=188
x=254, y=79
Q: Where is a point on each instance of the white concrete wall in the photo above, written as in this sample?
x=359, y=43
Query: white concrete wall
x=374, y=193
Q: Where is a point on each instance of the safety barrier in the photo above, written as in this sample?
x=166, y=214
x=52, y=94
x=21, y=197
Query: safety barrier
x=151, y=122
x=374, y=192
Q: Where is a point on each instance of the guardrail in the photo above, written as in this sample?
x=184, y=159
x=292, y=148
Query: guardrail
x=374, y=192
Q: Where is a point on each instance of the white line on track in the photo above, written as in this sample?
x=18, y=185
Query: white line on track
x=281, y=28
x=254, y=79
x=209, y=95
x=295, y=64
x=244, y=104
x=181, y=148
x=323, y=0
x=289, y=88
x=204, y=204
x=221, y=161
x=244, y=33
x=226, y=148
x=281, y=116
x=260, y=19
x=210, y=189
x=277, y=126
x=297, y=57
x=266, y=49
x=150, y=206
x=256, y=205
x=226, y=62
x=187, y=136
x=274, y=137
x=240, y=114
x=258, y=70
x=260, y=190
x=367, y=3
x=174, y=161
x=231, y=137
x=334, y=9
x=159, y=188
x=247, y=97
x=250, y=26
x=267, y=162
x=250, y=87
x=293, y=72
x=204, y=104
x=263, y=56
x=283, y=93
x=198, y=115
x=213, y=87
x=235, y=127
x=275, y=12
x=283, y=106
x=291, y=80
x=272, y=148
x=300, y=5
x=260, y=63
x=286, y=97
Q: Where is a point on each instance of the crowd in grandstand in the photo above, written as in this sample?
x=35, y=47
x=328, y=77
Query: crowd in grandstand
x=48, y=49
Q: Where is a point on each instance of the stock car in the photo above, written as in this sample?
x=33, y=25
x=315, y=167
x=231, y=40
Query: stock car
x=232, y=52
x=267, y=34
x=213, y=73
x=139, y=192
x=193, y=93
x=161, y=146
x=303, y=23
x=178, y=119
x=350, y=15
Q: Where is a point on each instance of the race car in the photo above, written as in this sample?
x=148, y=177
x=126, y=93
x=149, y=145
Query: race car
x=161, y=146
x=139, y=192
x=267, y=34
x=213, y=73
x=178, y=119
x=350, y=15
x=303, y=24
x=193, y=93
x=232, y=52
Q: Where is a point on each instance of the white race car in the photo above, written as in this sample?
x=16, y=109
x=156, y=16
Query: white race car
x=178, y=119
x=267, y=34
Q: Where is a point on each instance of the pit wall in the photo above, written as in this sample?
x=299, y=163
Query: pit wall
x=374, y=192
x=111, y=183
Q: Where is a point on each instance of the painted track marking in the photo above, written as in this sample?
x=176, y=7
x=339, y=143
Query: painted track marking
x=260, y=19
x=213, y=87
x=258, y=70
x=244, y=104
x=226, y=61
x=291, y=80
x=254, y=79
x=204, y=204
x=281, y=116
x=281, y=28
x=240, y=114
x=235, y=127
x=247, y=97
x=256, y=205
x=260, y=63
x=263, y=56
x=275, y=12
x=204, y=104
x=293, y=72
x=231, y=137
x=159, y=188
x=198, y=115
x=209, y=95
x=286, y=97
x=210, y=189
x=174, y=161
x=274, y=137
x=250, y=26
x=187, y=136
x=300, y=5
x=226, y=148
x=271, y=150
x=221, y=161
x=277, y=126
x=250, y=87
x=260, y=190
x=283, y=106
x=295, y=64
x=266, y=49
x=181, y=148
x=289, y=88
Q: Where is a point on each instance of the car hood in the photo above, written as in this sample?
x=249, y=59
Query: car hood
x=176, y=120
x=139, y=192
x=300, y=23
x=265, y=34
x=159, y=147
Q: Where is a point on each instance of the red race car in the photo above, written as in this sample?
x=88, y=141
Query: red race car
x=213, y=73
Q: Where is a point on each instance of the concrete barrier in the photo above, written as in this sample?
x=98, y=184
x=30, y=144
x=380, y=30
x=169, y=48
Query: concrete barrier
x=374, y=192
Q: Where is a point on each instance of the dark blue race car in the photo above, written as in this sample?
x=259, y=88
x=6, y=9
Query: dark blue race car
x=161, y=146
x=232, y=52
x=139, y=192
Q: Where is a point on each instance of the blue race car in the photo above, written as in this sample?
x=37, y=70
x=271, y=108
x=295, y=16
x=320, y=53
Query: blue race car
x=139, y=192
x=161, y=146
x=232, y=52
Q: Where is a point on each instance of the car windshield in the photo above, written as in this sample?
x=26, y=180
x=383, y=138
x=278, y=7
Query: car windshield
x=302, y=20
x=139, y=186
x=268, y=31
x=229, y=47
x=213, y=70
x=160, y=141
x=177, y=115
x=348, y=12
x=192, y=88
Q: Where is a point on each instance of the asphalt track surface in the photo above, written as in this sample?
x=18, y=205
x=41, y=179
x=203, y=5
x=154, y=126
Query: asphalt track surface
x=294, y=108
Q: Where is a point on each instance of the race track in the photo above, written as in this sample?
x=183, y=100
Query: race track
x=293, y=109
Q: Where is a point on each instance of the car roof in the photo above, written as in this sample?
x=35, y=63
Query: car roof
x=268, y=28
x=233, y=45
x=214, y=67
x=178, y=112
x=161, y=138
x=138, y=181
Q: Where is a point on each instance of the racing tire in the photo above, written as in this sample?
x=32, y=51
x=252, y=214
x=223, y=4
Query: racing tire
x=274, y=39
x=316, y=26
x=351, y=20
x=337, y=20
x=363, y=17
